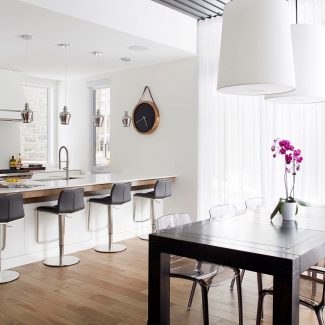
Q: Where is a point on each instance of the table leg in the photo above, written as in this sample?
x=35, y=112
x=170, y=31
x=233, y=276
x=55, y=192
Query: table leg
x=286, y=300
x=159, y=286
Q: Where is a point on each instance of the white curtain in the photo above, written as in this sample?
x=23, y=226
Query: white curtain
x=236, y=134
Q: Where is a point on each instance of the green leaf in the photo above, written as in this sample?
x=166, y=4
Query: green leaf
x=307, y=204
x=276, y=210
x=303, y=203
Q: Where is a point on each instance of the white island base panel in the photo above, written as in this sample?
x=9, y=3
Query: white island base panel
x=22, y=247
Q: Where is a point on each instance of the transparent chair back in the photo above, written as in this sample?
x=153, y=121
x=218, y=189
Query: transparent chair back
x=219, y=212
x=254, y=203
x=172, y=220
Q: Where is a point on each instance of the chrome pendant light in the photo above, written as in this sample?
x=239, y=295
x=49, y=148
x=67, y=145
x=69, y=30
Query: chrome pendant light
x=126, y=120
x=65, y=116
x=308, y=42
x=256, y=56
x=98, y=118
x=26, y=113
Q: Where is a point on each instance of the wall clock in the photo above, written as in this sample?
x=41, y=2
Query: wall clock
x=146, y=115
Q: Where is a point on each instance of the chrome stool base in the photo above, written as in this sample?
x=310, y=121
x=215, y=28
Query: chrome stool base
x=115, y=248
x=63, y=261
x=144, y=236
x=8, y=276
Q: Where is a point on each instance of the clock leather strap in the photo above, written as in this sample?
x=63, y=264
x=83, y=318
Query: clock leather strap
x=146, y=88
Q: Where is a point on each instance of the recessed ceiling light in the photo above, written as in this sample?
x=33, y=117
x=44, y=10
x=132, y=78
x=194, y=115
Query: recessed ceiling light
x=96, y=53
x=137, y=48
x=64, y=45
x=125, y=59
x=26, y=37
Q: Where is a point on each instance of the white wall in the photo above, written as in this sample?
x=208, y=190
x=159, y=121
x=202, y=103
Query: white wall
x=9, y=142
x=171, y=149
x=77, y=135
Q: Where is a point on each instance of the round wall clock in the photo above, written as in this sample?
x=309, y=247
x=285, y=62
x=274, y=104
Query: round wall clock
x=145, y=116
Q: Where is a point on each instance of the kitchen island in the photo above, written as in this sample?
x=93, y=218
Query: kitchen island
x=22, y=245
x=49, y=190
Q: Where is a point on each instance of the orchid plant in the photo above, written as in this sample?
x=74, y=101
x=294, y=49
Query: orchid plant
x=292, y=163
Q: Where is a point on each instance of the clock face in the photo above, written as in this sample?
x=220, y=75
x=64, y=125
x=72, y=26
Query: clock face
x=145, y=117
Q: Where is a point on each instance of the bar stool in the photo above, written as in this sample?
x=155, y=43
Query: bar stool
x=11, y=209
x=120, y=194
x=162, y=190
x=70, y=201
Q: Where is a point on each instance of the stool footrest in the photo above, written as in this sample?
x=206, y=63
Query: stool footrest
x=139, y=221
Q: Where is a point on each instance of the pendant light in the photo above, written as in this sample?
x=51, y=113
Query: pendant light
x=256, y=56
x=26, y=113
x=65, y=115
x=126, y=120
x=309, y=60
x=98, y=118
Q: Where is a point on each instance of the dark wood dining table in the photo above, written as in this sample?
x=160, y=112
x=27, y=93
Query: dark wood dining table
x=250, y=241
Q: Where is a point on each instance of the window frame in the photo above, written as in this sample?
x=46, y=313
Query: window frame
x=50, y=86
x=94, y=86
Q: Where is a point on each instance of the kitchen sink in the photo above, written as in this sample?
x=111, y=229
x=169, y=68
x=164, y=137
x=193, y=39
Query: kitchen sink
x=56, y=178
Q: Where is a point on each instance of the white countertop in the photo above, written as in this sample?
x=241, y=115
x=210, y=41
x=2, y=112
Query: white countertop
x=87, y=180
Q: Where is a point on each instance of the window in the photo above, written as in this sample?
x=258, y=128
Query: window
x=34, y=136
x=101, y=152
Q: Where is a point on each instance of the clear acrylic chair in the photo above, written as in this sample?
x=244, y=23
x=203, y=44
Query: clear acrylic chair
x=312, y=282
x=254, y=203
x=312, y=293
x=219, y=212
x=206, y=275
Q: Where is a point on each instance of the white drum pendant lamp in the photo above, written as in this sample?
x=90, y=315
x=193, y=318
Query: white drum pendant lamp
x=256, y=56
x=309, y=61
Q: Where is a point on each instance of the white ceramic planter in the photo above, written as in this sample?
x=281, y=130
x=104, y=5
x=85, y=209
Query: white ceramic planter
x=288, y=210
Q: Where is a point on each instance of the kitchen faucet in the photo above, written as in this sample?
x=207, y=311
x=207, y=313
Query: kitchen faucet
x=66, y=168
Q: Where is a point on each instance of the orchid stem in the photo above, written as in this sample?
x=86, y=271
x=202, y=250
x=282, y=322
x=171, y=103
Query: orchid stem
x=285, y=179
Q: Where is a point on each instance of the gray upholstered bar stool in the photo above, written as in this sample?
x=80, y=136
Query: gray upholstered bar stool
x=162, y=190
x=11, y=209
x=120, y=194
x=70, y=201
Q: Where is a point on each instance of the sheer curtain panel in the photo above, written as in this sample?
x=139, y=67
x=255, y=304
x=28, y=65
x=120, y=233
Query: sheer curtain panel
x=236, y=134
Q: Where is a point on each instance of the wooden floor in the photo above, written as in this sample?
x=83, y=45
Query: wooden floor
x=112, y=289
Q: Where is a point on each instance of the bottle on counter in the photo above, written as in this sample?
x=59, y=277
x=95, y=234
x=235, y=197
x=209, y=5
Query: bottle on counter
x=19, y=163
x=12, y=163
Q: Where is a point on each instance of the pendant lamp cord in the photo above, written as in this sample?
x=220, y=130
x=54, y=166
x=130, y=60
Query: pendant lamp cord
x=26, y=70
x=98, y=68
x=65, y=76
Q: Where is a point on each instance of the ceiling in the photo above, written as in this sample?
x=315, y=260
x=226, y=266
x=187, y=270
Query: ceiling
x=199, y=9
x=48, y=28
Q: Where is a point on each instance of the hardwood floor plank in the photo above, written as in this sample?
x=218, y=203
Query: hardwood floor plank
x=111, y=289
